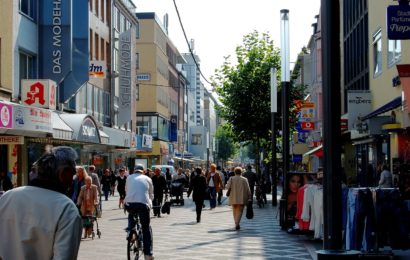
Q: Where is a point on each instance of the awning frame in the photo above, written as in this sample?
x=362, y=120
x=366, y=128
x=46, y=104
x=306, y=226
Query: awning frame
x=385, y=108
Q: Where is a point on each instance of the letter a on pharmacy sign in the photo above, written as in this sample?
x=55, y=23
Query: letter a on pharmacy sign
x=398, y=22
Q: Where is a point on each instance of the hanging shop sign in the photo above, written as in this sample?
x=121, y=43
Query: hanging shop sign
x=307, y=112
x=6, y=115
x=39, y=93
x=173, y=129
x=404, y=74
x=97, y=69
x=359, y=103
x=126, y=76
x=398, y=22
x=11, y=139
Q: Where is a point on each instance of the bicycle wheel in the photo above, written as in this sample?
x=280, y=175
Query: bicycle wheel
x=132, y=247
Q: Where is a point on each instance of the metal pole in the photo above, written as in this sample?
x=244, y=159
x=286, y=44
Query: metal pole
x=332, y=187
x=274, y=109
x=285, y=77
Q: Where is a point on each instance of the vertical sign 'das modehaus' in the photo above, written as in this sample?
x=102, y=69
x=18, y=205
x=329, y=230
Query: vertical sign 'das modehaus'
x=126, y=76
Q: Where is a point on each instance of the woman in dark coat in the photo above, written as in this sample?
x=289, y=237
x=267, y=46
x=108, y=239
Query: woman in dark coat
x=121, y=179
x=198, y=186
x=106, y=183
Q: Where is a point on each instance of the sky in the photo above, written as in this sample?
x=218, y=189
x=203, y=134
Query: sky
x=218, y=26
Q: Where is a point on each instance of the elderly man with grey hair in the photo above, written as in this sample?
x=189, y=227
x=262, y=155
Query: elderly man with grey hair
x=40, y=221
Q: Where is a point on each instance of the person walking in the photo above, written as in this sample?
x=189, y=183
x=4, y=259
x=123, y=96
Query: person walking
x=214, y=182
x=113, y=181
x=138, y=200
x=88, y=201
x=239, y=195
x=96, y=179
x=40, y=221
x=198, y=187
x=5, y=182
x=220, y=192
x=121, y=180
x=78, y=182
x=160, y=185
x=252, y=179
x=106, y=183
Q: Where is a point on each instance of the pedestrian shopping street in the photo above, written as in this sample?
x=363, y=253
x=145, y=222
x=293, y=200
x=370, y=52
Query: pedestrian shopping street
x=178, y=236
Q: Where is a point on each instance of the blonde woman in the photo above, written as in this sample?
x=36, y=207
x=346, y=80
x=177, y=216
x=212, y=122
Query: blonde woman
x=78, y=182
x=239, y=194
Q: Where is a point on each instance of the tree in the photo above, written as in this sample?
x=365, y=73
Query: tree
x=226, y=147
x=244, y=89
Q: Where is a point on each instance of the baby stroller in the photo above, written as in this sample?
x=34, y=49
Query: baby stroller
x=88, y=224
x=177, y=190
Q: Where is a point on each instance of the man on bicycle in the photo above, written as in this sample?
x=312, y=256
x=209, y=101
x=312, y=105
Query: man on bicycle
x=138, y=200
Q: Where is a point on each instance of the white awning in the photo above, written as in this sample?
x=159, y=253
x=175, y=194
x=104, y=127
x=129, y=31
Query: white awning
x=105, y=139
x=60, y=129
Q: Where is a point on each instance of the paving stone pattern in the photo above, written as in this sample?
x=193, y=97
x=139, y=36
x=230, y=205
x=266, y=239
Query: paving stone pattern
x=178, y=236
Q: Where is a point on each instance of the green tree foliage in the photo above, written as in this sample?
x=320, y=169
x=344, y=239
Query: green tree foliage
x=244, y=88
x=225, y=143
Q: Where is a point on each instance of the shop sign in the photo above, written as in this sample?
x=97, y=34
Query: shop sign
x=164, y=148
x=89, y=131
x=398, y=22
x=32, y=119
x=126, y=76
x=11, y=139
x=143, y=77
x=359, y=103
x=307, y=126
x=39, y=93
x=307, y=112
x=404, y=74
x=64, y=38
x=6, y=116
x=97, y=69
x=343, y=124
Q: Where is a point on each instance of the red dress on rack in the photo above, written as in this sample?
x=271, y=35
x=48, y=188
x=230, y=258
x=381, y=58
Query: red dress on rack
x=303, y=225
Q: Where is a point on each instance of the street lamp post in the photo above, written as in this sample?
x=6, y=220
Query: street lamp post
x=273, y=110
x=332, y=186
x=285, y=83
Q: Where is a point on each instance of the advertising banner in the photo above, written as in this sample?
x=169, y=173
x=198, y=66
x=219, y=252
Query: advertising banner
x=126, y=76
x=97, y=69
x=173, y=133
x=63, y=44
x=32, y=119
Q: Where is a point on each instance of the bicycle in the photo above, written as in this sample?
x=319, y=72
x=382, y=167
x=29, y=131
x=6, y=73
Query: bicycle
x=134, y=241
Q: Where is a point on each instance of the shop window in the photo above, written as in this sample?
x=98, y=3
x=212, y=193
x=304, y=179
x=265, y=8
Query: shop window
x=96, y=47
x=102, y=49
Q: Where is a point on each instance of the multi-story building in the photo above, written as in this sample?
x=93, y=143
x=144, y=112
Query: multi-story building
x=161, y=87
x=211, y=122
x=59, y=78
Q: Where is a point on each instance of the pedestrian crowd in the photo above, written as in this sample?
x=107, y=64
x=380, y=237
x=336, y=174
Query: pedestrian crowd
x=49, y=216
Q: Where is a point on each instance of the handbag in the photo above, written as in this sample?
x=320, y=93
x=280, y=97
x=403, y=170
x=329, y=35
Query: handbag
x=166, y=207
x=249, y=210
x=228, y=192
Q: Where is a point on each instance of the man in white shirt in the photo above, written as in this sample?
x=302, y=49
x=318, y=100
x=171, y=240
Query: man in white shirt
x=40, y=221
x=138, y=200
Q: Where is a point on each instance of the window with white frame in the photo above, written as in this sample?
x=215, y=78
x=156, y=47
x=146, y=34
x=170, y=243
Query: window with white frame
x=26, y=70
x=27, y=7
x=377, y=52
x=393, y=51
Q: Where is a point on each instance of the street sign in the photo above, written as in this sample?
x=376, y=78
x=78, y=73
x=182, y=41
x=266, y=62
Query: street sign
x=398, y=22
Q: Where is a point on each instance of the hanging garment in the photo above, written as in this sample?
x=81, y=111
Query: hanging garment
x=308, y=205
x=303, y=225
x=318, y=213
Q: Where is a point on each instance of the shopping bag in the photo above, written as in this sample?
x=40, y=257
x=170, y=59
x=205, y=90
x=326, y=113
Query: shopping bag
x=166, y=208
x=249, y=210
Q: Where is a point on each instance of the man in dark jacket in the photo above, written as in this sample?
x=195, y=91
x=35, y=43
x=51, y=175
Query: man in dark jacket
x=198, y=185
x=160, y=184
x=252, y=178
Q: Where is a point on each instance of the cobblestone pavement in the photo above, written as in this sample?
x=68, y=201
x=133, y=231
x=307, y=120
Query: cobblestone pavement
x=178, y=236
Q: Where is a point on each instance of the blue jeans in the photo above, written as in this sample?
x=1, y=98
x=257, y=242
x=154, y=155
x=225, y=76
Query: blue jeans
x=212, y=193
x=142, y=211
